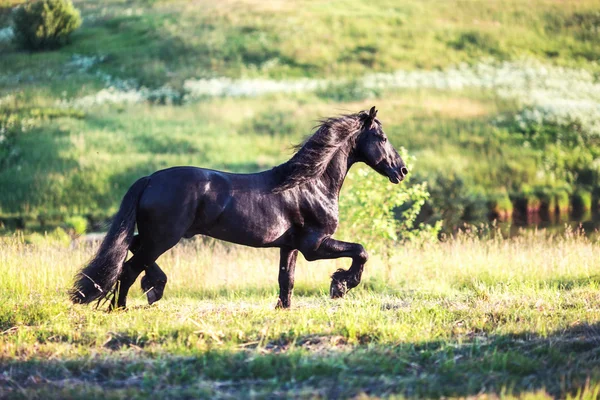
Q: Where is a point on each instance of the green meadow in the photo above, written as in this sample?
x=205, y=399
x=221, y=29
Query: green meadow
x=510, y=318
x=497, y=104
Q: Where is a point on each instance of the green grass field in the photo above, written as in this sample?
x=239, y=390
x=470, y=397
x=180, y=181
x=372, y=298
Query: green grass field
x=467, y=317
x=496, y=102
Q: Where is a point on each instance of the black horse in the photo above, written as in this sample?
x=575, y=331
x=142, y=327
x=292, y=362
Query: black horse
x=293, y=206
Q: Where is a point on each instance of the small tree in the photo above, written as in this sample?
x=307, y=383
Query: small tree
x=45, y=24
x=380, y=215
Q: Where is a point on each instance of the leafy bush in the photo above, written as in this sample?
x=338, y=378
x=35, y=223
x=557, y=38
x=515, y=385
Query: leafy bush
x=45, y=24
x=77, y=224
x=378, y=214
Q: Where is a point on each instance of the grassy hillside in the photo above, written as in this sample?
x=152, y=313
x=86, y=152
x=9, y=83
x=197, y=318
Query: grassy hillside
x=85, y=162
x=160, y=42
x=71, y=146
x=73, y=162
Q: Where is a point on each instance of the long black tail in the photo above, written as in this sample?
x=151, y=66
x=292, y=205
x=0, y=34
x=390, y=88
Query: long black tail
x=96, y=279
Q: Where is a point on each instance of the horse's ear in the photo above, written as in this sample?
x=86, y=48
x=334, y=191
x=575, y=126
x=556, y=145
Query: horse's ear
x=370, y=118
x=372, y=113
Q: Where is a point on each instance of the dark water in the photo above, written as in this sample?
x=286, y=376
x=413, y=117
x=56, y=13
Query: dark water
x=586, y=222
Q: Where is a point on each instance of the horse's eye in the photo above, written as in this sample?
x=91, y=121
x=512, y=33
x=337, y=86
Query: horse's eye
x=383, y=139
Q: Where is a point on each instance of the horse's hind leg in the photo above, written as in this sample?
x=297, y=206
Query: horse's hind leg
x=153, y=283
x=131, y=270
x=146, y=255
x=155, y=280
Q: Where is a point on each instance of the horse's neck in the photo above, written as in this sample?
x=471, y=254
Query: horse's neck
x=337, y=169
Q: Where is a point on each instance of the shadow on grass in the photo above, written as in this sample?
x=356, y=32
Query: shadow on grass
x=40, y=154
x=564, y=362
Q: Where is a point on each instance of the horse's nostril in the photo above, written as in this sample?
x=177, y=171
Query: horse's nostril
x=403, y=171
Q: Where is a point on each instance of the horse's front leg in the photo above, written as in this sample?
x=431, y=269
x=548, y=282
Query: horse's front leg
x=342, y=280
x=287, y=265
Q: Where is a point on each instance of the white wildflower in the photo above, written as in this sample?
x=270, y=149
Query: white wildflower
x=225, y=87
x=547, y=94
x=83, y=63
x=108, y=96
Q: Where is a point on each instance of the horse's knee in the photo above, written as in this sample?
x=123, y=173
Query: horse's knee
x=361, y=254
x=310, y=256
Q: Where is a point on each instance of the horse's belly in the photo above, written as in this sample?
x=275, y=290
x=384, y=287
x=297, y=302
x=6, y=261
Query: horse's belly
x=247, y=233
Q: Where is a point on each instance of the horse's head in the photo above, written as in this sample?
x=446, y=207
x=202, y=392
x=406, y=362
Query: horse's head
x=374, y=149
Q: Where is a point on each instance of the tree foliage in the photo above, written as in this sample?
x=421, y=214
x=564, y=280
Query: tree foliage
x=45, y=24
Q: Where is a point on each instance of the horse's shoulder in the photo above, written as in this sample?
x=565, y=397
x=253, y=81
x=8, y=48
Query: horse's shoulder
x=319, y=210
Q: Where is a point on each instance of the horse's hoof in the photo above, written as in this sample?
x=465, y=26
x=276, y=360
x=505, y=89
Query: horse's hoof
x=152, y=296
x=153, y=290
x=338, y=289
x=281, y=306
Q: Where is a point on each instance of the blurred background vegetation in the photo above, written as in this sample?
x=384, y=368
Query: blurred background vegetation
x=119, y=99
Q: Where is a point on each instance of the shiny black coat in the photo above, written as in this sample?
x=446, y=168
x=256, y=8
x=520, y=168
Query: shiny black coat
x=293, y=206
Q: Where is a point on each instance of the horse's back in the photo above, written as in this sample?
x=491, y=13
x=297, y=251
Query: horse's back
x=172, y=197
x=187, y=201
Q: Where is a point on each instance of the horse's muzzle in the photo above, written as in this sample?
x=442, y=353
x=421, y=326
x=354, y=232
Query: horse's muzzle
x=397, y=175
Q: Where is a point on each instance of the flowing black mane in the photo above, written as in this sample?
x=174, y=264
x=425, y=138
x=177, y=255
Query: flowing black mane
x=314, y=154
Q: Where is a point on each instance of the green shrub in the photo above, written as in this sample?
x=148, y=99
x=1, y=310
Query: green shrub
x=499, y=204
x=456, y=203
x=45, y=24
x=378, y=214
x=77, y=224
x=581, y=200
